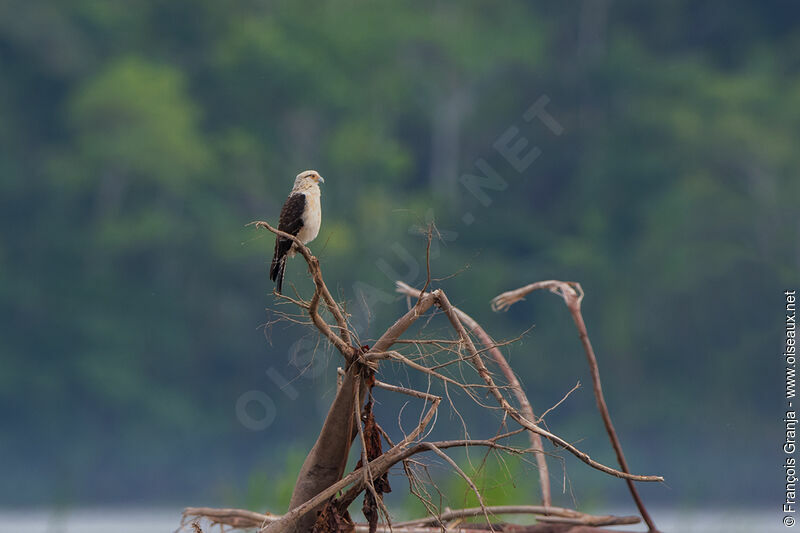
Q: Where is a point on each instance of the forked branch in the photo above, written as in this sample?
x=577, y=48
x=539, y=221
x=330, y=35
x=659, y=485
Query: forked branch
x=376, y=467
x=516, y=388
x=322, y=481
x=341, y=341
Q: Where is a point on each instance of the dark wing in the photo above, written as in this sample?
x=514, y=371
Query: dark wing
x=290, y=221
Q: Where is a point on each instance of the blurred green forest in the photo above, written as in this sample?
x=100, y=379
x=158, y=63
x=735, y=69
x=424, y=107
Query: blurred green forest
x=138, y=138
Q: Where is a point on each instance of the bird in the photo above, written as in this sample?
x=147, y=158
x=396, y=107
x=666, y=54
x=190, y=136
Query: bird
x=301, y=216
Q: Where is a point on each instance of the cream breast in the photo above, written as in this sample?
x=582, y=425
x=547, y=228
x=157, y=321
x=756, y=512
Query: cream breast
x=312, y=217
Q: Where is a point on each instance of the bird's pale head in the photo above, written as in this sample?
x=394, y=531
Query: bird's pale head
x=307, y=179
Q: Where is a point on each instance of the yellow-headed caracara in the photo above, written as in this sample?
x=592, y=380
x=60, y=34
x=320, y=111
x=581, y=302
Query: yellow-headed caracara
x=301, y=216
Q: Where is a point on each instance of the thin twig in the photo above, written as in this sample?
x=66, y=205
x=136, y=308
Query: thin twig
x=343, y=340
x=463, y=474
x=409, y=392
x=427, y=262
x=573, y=389
x=350, y=392
x=519, y=393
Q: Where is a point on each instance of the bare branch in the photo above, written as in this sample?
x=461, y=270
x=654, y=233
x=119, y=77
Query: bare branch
x=416, y=366
x=322, y=476
x=243, y=519
x=409, y=392
x=427, y=262
x=343, y=340
x=505, y=300
x=573, y=389
x=377, y=466
x=540, y=511
x=402, y=324
x=572, y=293
x=236, y=518
x=519, y=393
x=353, y=492
x=444, y=304
x=326, y=461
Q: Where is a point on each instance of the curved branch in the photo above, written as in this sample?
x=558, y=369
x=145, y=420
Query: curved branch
x=476, y=360
x=572, y=293
x=503, y=301
x=343, y=340
x=519, y=393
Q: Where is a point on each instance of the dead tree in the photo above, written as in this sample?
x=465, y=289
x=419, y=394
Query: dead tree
x=323, y=492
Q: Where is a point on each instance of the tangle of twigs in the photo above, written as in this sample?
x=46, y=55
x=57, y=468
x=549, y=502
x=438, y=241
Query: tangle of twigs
x=323, y=489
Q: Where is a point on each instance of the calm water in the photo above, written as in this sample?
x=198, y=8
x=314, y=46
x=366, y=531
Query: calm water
x=167, y=520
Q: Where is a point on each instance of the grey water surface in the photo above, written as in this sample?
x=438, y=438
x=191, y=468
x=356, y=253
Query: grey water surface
x=164, y=520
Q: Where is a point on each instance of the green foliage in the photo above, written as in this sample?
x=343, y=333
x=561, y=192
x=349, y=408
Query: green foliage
x=136, y=118
x=272, y=484
x=500, y=480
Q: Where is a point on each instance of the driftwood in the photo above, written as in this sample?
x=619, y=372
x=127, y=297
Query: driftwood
x=323, y=492
x=240, y=518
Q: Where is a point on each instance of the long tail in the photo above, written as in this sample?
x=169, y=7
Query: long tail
x=278, y=266
x=279, y=275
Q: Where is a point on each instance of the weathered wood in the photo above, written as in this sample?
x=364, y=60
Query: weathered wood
x=325, y=463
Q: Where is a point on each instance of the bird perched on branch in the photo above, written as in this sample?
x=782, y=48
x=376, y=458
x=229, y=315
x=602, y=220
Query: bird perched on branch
x=301, y=216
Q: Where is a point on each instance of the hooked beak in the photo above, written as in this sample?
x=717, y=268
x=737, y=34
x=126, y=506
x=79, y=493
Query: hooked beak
x=321, y=180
